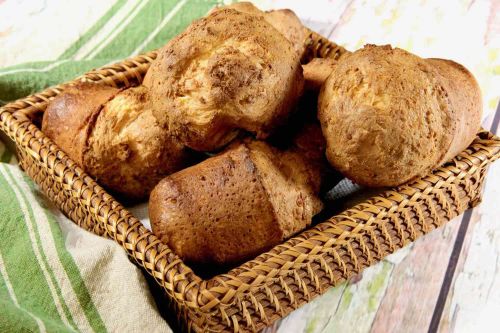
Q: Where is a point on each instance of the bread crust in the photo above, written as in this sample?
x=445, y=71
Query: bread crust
x=68, y=119
x=114, y=136
x=389, y=116
x=317, y=71
x=130, y=151
x=287, y=22
x=283, y=20
x=226, y=72
x=235, y=205
x=216, y=212
x=465, y=104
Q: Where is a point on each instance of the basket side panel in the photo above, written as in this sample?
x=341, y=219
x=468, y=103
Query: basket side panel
x=52, y=185
x=329, y=265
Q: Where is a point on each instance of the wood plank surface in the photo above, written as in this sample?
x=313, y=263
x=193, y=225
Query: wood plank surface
x=473, y=303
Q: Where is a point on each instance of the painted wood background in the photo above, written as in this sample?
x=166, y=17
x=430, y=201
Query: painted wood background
x=449, y=280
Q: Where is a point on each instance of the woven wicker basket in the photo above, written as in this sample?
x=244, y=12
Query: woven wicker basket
x=251, y=296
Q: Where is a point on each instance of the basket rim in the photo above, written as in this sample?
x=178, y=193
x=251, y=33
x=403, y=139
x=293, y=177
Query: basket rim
x=178, y=279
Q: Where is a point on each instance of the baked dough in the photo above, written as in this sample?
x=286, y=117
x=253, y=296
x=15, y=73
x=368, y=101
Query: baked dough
x=283, y=20
x=317, y=71
x=235, y=205
x=227, y=72
x=115, y=137
x=389, y=116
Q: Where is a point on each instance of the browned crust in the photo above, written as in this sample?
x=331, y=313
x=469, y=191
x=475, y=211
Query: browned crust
x=225, y=72
x=267, y=195
x=130, y=151
x=287, y=22
x=310, y=145
x=317, y=71
x=186, y=211
x=69, y=118
x=464, y=97
x=389, y=116
x=283, y=20
x=113, y=135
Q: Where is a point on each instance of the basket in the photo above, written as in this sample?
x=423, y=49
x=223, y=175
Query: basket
x=255, y=294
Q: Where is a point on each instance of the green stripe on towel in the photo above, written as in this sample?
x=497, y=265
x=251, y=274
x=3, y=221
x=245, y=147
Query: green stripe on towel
x=21, y=263
x=70, y=267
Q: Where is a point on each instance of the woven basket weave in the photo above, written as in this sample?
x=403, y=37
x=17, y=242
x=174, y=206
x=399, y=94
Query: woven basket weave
x=251, y=296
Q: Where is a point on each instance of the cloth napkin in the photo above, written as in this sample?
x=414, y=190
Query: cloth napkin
x=54, y=276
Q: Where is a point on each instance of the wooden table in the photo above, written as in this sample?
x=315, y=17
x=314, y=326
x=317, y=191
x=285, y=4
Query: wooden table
x=448, y=280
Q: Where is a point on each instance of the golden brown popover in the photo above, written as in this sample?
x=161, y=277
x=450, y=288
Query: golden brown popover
x=389, y=116
x=235, y=205
x=115, y=137
x=227, y=72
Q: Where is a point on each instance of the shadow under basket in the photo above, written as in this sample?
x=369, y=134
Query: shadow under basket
x=255, y=294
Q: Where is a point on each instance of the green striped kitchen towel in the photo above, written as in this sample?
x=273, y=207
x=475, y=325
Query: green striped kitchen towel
x=54, y=276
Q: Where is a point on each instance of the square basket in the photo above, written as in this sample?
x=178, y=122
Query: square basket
x=260, y=291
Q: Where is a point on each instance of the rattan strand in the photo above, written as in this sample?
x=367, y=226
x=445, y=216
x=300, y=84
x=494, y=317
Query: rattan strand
x=262, y=290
